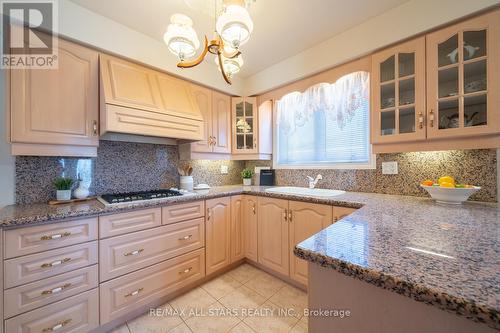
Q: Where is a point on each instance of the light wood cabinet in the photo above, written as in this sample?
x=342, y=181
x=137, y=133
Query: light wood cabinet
x=203, y=97
x=53, y=109
x=273, y=248
x=218, y=234
x=305, y=219
x=398, y=93
x=338, y=213
x=221, y=123
x=463, y=85
x=237, y=228
x=250, y=227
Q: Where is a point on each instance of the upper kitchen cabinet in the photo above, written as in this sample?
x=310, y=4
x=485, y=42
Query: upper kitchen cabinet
x=221, y=123
x=251, y=128
x=203, y=97
x=398, y=90
x=463, y=78
x=138, y=100
x=55, y=112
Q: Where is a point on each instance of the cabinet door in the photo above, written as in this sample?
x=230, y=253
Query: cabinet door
x=221, y=123
x=463, y=89
x=245, y=125
x=398, y=90
x=273, y=234
x=250, y=228
x=57, y=106
x=339, y=213
x=237, y=232
x=218, y=234
x=203, y=98
x=305, y=219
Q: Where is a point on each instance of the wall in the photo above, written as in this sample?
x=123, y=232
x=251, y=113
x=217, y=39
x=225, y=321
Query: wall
x=6, y=160
x=476, y=167
x=119, y=167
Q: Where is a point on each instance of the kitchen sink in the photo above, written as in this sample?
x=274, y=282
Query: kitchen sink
x=311, y=192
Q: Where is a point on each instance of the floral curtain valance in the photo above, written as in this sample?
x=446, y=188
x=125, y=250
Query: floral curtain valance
x=338, y=100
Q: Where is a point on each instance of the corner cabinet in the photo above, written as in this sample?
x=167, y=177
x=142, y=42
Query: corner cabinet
x=463, y=83
x=56, y=112
x=398, y=92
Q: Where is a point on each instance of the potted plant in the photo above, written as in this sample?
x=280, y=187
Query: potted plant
x=247, y=175
x=63, y=187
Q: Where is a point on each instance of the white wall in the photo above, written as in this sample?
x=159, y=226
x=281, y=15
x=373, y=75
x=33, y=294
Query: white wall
x=6, y=160
x=406, y=20
x=81, y=24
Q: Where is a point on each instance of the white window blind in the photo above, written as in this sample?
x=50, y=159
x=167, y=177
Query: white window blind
x=326, y=126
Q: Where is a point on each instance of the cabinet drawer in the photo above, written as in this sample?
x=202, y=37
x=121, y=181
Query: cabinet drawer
x=36, y=294
x=38, y=266
x=119, y=224
x=129, y=292
x=77, y=314
x=127, y=253
x=23, y=241
x=182, y=212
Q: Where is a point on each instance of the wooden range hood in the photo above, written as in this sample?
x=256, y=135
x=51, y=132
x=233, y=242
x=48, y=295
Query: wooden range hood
x=141, y=101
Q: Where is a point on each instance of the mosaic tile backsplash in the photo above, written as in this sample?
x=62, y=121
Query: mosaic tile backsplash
x=476, y=167
x=125, y=167
x=118, y=167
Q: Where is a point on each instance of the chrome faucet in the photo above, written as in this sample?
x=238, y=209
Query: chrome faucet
x=314, y=181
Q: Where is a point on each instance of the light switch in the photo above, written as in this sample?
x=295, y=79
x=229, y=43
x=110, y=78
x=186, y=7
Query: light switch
x=224, y=169
x=389, y=168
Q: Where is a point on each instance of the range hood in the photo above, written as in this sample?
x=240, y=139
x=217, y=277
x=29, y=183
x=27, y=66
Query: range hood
x=139, y=101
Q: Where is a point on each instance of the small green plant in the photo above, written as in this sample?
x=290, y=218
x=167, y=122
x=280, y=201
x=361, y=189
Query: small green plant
x=247, y=173
x=63, y=184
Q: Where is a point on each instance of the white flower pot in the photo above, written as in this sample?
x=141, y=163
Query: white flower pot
x=63, y=195
x=186, y=183
x=247, y=181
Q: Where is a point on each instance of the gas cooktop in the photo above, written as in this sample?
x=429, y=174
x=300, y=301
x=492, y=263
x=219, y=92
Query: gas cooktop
x=135, y=197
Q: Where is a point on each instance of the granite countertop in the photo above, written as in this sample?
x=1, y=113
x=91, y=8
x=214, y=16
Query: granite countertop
x=447, y=256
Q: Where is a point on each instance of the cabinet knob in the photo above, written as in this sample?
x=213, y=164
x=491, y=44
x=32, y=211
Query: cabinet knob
x=187, y=270
x=208, y=214
x=55, y=236
x=57, y=326
x=285, y=215
x=55, y=263
x=94, y=128
x=135, y=292
x=133, y=253
x=420, y=120
x=253, y=209
x=431, y=118
x=56, y=290
x=185, y=237
x=290, y=215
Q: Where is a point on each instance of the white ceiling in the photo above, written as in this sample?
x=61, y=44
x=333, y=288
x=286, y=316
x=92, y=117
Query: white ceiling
x=282, y=28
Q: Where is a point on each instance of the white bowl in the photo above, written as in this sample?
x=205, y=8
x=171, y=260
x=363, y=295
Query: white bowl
x=450, y=195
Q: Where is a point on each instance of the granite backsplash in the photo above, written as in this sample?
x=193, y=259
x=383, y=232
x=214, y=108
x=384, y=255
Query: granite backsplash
x=125, y=167
x=118, y=167
x=477, y=167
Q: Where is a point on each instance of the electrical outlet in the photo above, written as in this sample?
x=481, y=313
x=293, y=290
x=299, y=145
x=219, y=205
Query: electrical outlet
x=224, y=169
x=389, y=168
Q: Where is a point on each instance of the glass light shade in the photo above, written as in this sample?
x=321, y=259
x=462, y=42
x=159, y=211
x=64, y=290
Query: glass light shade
x=180, y=37
x=234, y=26
x=231, y=66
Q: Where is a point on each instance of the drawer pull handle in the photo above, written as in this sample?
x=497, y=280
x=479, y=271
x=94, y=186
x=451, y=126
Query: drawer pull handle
x=56, y=236
x=55, y=263
x=135, y=292
x=133, y=253
x=187, y=270
x=57, y=326
x=185, y=237
x=56, y=290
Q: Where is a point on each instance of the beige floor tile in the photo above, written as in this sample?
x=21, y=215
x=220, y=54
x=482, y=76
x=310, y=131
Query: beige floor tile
x=242, y=300
x=241, y=328
x=270, y=320
x=215, y=320
x=182, y=328
x=162, y=322
x=243, y=273
x=192, y=302
x=265, y=284
x=291, y=297
x=221, y=286
x=121, y=329
x=301, y=326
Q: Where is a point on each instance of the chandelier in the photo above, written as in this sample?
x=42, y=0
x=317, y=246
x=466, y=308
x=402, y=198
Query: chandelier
x=232, y=29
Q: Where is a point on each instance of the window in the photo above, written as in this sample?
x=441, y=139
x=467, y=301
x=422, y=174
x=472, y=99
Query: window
x=327, y=126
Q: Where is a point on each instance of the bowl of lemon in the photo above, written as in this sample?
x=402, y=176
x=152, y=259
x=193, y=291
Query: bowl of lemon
x=447, y=191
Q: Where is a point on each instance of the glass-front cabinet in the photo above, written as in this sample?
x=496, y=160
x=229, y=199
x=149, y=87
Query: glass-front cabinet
x=398, y=93
x=245, y=125
x=463, y=75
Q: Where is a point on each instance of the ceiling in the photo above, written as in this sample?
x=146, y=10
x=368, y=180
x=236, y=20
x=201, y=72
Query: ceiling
x=282, y=28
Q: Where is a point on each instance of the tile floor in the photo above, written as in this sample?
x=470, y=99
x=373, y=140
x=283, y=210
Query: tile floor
x=244, y=300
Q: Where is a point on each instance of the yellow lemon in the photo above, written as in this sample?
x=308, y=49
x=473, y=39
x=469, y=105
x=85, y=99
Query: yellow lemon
x=447, y=184
x=446, y=179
